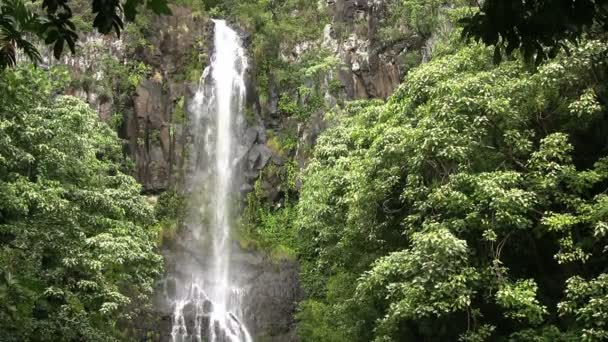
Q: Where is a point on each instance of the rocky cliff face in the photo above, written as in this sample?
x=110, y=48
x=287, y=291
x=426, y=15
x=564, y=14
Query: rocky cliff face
x=175, y=48
x=373, y=50
x=154, y=118
x=159, y=133
x=155, y=127
x=372, y=64
x=172, y=52
x=270, y=291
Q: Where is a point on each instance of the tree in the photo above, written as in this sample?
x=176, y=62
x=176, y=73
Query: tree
x=51, y=22
x=471, y=205
x=538, y=28
x=77, y=254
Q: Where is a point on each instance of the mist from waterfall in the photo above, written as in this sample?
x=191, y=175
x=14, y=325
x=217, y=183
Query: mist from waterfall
x=207, y=306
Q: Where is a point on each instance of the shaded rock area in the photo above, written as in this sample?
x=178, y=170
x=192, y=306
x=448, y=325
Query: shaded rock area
x=275, y=290
x=174, y=49
x=156, y=125
x=149, y=136
x=178, y=44
x=373, y=66
x=177, y=49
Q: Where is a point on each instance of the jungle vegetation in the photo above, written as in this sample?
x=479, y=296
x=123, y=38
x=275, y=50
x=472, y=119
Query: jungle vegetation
x=470, y=205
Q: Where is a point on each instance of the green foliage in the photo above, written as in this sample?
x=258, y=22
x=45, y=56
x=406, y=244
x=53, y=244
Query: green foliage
x=278, y=26
x=538, y=28
x=418, y=20
x=431, y=279
x=169, y=210
x=268, y=226
x=520, y=301
x=316, y=324
x=179, y=115
x=78, y=261
x=170, y=205
x=52, y=21
x=423, y=16
x=586, y=302
x=462, y=205
x=124, y=77
x=15, y=20
x=136, y=32
x=119, y=81
x=116, y=121
x=317, y=321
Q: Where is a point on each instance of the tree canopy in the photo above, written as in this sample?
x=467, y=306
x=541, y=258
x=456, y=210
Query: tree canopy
x=78, y=257
x=538, y=28
x=470, y=206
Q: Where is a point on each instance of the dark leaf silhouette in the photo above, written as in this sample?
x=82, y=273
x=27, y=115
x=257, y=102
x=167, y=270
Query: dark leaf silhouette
x=536, y=28
x=53, y=24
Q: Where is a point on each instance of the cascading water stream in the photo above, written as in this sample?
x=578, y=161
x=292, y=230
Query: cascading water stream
x=206, y=307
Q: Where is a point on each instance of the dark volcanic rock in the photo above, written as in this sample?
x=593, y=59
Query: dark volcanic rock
x=273, y=295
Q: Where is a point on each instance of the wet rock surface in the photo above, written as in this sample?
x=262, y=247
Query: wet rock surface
x=155, y=128
x=270, y=290
x=178, y=49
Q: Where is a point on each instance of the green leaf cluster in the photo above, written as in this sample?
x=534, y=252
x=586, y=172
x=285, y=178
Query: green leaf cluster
x=539, y=29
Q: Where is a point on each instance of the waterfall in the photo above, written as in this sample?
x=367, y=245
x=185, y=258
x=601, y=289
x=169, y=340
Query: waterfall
x=208, y=305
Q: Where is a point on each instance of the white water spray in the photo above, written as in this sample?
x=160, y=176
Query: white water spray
x=207, y=306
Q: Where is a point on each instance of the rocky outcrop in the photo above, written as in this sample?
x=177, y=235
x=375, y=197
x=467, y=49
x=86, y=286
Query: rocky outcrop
x=173, y=51
x=176, y=49
x=271, y=301
x=177, y=45
x=163, y=147
x=373, y=64
x=373, y=50
x=148, y=131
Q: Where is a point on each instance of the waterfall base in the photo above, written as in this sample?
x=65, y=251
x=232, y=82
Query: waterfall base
x=196, y=319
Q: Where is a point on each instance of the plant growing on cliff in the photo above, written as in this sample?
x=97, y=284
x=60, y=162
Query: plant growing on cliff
x=276, y=27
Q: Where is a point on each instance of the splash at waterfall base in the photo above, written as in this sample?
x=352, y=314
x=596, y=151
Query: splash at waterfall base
x=268, y=298
x=213, y=290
